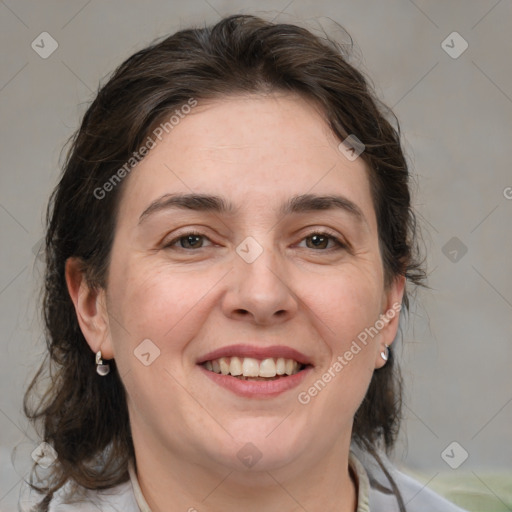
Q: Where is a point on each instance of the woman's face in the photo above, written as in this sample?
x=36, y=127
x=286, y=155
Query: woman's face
x=260, y=267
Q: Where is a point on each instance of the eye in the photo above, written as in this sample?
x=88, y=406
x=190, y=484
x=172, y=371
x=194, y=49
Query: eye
x=191, y=240
x=316, y=240
x=321, y=240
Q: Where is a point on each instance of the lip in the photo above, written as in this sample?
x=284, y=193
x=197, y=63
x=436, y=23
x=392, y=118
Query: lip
x=257, y=389
x=257, y=352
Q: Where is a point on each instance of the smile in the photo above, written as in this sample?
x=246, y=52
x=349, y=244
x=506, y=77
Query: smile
x=256, y=371
x=249, y=368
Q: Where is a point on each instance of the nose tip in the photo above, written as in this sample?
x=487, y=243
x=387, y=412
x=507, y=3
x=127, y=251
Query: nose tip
x=258, y=290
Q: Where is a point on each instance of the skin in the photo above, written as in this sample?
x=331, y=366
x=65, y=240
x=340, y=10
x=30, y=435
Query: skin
x=256, y=152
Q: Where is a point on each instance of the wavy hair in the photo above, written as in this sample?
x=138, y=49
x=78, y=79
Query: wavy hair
x=85, y=418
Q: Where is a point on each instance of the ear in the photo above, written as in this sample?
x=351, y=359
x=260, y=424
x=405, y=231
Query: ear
x=389, y=318
x=90, y=307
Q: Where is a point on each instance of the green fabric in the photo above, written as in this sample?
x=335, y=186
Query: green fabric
x=476, y=491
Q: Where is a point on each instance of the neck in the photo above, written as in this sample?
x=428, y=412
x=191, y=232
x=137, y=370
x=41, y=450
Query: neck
x=315, y=484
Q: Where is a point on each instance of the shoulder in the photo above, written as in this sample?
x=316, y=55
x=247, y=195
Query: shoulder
x=416, y=496
x=116, y=499
x=71, y=498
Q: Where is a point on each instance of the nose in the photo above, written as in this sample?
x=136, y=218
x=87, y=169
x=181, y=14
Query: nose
x=260, y=292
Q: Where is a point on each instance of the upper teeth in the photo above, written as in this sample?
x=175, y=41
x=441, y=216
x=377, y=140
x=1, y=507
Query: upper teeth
x=250, y=367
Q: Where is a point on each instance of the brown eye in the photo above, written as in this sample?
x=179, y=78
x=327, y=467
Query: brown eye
x=191, y=241
x=318, y=241
x=321, y=241
x=188, y=241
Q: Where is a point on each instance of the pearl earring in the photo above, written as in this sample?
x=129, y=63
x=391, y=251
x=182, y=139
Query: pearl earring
x=385, y=353
x=101, y=369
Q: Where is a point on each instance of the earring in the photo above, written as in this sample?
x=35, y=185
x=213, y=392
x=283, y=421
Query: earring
x=385, y=353
x=101, y=369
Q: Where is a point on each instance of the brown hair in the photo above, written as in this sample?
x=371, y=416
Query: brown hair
x=84, y=417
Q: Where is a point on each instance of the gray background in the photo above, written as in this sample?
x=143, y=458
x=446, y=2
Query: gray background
x=456, y=115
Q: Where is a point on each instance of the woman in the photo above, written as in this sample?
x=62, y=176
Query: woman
x=227, y=253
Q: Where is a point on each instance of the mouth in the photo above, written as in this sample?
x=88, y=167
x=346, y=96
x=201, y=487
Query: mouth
x=256, y=372
x=249, y=368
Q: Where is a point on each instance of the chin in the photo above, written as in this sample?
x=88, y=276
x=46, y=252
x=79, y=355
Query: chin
x=264, y=443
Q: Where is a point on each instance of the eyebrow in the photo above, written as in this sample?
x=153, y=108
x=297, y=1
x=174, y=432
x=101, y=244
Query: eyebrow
x=310, y=202
x=210, y=203
x=196, y=202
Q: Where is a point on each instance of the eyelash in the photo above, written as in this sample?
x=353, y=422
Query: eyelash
x=339, y=243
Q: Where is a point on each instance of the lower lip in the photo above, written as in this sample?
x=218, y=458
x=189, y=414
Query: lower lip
x=257, y=388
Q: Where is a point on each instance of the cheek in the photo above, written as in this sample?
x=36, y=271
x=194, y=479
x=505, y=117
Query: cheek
x=155, y=304
x=347, y=302
x=348, y=305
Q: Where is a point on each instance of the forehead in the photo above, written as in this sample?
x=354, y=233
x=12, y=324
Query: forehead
x=253, y=149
